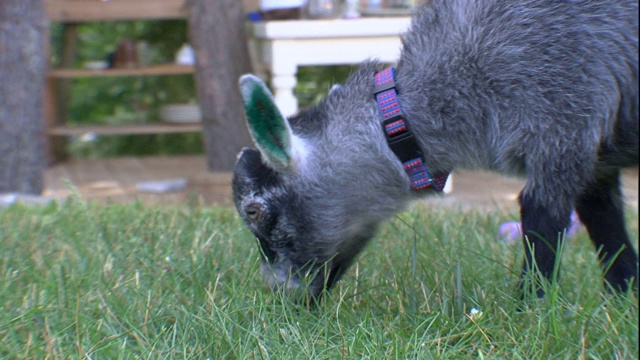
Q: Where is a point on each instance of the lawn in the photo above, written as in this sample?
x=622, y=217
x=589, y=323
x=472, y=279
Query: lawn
x=82, y=280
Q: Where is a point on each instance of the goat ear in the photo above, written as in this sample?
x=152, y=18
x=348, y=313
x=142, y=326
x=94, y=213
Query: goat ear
x=269, y=129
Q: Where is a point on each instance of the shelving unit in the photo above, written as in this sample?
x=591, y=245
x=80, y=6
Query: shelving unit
x=85, y=11
x=57, y=128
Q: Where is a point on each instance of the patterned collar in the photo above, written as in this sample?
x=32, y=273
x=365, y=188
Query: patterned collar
x=399, y=136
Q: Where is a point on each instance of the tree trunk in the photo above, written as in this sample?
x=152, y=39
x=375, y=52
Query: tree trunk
x=23, y=63
x=218, y=36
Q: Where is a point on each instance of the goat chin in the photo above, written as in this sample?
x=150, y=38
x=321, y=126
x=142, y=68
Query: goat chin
x=280, y=278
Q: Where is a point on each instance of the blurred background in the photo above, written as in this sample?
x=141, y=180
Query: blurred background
x=139, y=99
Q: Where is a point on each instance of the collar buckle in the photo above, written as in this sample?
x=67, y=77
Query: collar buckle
x=401, y=139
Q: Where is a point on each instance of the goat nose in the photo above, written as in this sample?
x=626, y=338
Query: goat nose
x=279, y=278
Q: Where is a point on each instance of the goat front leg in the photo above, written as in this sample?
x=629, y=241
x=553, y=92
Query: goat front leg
x=543, y=230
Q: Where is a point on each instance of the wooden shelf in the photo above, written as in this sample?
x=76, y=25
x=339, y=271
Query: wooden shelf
x=166, y=69
x=139, y=129
x=96, y=10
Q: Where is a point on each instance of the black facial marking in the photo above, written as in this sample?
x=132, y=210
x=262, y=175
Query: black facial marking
x=251, y=174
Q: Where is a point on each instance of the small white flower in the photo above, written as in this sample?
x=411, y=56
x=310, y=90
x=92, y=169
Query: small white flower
x=475, y=314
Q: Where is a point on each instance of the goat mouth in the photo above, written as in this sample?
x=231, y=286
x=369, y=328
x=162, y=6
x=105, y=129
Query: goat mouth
x=311, y=282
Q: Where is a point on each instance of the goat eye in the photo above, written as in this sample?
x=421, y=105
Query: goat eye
x=253, y=212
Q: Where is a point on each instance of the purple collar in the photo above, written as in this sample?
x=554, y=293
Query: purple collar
x=399, y=136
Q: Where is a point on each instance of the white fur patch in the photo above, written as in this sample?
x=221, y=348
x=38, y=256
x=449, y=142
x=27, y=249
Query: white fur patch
x=300, y=150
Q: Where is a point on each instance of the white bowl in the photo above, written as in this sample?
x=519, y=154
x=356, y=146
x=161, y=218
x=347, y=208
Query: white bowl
x=180, y=113
x=96, y=65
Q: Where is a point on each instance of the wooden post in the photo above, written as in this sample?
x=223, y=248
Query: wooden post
x=217, y=33
x=24, y=39
x=58, y=94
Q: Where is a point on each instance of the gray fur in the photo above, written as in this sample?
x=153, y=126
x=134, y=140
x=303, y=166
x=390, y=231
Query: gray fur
x=543, y=89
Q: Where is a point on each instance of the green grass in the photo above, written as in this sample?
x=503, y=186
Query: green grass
x=95, y=281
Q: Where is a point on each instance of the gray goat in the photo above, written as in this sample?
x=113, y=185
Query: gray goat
x=541, y=88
